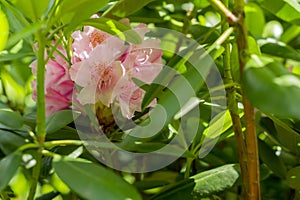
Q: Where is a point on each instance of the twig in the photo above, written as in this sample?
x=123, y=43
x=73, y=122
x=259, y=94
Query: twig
x=218, y=5
x=233, y=109
x=251, y=137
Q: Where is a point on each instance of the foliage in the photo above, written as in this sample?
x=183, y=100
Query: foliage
x=47, y=158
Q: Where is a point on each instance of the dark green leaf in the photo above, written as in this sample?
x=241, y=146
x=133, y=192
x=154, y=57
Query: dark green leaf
x=10, y=141
x=272, y=88
x=279, y=49
x=293, y=178
x=288, y=137
x=59, y=120
x=10, y=118
x=123, y=8
x=92, y=181
x=8, y=168
x=180, y=190
x=274, y=162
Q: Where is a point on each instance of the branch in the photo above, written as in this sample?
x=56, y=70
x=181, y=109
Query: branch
x=251, y=137
x=233, y=109
x=218, y=5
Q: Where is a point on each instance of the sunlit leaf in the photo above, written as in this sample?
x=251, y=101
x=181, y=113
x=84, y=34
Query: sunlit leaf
x=8, y=167
x=33, y=9
x=255, y=19
x=4, y=30
x=287, y=10
x=124, y=8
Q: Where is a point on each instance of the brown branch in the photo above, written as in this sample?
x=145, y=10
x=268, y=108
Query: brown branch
x=233, y=109
x=251, y=137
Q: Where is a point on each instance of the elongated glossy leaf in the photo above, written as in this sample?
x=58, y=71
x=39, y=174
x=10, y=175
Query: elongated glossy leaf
x=74, y=12
x=272, y=88
x=10, y=141
x=180, y=190
x=33, y=9
x=15, y=56
x=10, y=118
x=114, y=27
x=123, y=8
x=279, y=49
x=8, y=167
x=274, y=162
x=92, y=181
x=26, y=34
x=287, y=10
x=59, y=120
x=287, y=136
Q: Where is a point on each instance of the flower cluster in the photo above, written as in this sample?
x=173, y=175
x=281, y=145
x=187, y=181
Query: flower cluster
x=103, y=66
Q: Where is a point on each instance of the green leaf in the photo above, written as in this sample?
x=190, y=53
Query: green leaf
x=25, y=33
x=218, y=125
x=116, y=28
x=274, y=162
x=290, y=33
x=203, y=184
x=92, y=181
x=146, y=15
x=10, y=141
x=13, y=56
x=4, y=29
x=287, y=10
x=74, y=12
x=10, y=118
x=123, y=8
x=180, y=190
x=255, y=19
x=15, y=93
x=8, y=168
x=270, y=87
x=287, y=136
x=275, y=48
x=215, y=180
x=33, y=9
x=59, y=120
x=293, y=178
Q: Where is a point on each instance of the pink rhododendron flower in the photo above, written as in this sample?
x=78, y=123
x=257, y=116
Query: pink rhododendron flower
x=103, y=65
x=58, y=85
